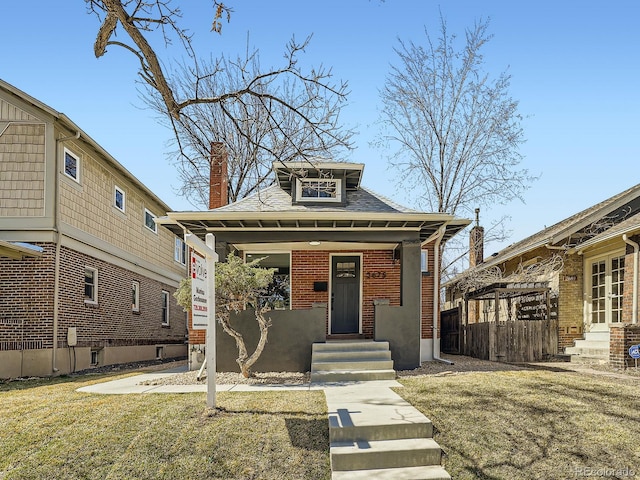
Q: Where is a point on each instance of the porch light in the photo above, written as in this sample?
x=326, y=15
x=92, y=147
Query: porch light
x=314, y=243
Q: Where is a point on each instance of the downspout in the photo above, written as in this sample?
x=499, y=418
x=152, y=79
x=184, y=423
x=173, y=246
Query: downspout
x=56, y=229
x=436, y=294
x=634, y=307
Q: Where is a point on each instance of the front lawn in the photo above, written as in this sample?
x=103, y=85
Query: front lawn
x=532, y=424
x=50, y=431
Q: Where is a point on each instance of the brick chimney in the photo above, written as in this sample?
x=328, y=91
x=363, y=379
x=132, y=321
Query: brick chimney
x=476, y=243
x=218, y=181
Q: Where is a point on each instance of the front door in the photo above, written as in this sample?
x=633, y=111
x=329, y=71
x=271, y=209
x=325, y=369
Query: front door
x=345, y=294
x=607, y=288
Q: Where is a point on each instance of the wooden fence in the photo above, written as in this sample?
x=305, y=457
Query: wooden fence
x=512, y=341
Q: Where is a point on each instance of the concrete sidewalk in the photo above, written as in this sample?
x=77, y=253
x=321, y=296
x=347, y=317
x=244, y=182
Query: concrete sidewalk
x=142, y=383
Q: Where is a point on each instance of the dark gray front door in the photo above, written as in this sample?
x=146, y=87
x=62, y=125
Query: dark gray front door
x=345, y=295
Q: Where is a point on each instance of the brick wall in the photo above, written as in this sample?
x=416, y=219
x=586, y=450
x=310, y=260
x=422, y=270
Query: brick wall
x=112, y=322
x=427, y=297
x=622, y=338
x=26, y=301
x=27, y=295
x=381, y=280
x=570, y=301
x=629, y=273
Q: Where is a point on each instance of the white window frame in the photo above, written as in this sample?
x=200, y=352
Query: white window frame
x=180, y=251
x=94, y=298
x=64, y=166
x=300, y=188
x=117, y=190
x=135, y=296
x=155, y=227
x=424, y=261
x=165, y=308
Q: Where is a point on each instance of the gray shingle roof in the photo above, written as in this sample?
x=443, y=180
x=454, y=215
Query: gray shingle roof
x=275, y=199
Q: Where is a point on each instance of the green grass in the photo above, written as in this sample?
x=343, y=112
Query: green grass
x=531, y=424
x=50, y=431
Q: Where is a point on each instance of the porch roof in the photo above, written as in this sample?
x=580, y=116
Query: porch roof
x=424, y=225
x=18, y=250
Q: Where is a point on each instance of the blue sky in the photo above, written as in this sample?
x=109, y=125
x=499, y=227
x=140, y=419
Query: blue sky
x=575, y=69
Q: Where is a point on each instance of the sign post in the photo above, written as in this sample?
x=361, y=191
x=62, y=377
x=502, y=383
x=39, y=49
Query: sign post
x=203, y=302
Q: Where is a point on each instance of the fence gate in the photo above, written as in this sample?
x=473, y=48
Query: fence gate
x=450, y=331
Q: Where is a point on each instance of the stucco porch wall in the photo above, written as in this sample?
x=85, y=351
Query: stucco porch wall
x=622, y=337
x=398, y=326
x=289, y=341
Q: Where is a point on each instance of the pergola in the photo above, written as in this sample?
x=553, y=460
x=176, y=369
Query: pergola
x=506, y=290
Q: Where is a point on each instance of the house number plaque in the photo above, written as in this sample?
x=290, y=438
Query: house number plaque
x=376, y=274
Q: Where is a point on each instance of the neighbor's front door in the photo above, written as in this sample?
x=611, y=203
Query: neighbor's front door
x=345, y=294
x=607, y=288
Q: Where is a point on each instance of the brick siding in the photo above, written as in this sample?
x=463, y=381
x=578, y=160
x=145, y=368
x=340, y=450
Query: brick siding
x=622, y=338
x=26, y=303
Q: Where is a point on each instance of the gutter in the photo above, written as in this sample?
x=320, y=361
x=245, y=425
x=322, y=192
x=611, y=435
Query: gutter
x=436, y=294
x=56, y=275
x=634, y=308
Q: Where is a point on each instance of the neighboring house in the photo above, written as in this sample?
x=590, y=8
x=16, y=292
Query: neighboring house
x=587, y=264
x=86, y=276
x=358, y=265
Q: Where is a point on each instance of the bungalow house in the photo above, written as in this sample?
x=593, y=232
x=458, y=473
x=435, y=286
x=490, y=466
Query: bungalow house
x=581, y=274
x=86, y=276
x=358, y=265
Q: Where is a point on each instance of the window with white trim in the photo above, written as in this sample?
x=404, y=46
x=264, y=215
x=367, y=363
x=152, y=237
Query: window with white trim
x=424, y=261
x=90, y=285
x=135, y=296
x=165, y=308
x=318, y=190
x=71, y=165
x=119, y=198
x=180, y=251
x=149, y=221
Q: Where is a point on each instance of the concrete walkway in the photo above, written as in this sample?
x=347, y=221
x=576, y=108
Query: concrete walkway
x=137, y=384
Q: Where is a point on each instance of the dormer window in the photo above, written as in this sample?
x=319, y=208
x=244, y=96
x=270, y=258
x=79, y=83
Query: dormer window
x=319, y=190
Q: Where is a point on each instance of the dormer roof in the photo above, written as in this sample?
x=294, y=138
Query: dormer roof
x=288, y=172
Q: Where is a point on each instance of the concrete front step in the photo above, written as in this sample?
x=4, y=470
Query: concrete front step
x=431, y=472
x=603, y=336
x=328, y=355
x=349, y=346
x=367, y=413
x=377, y=454
x=363, y=364
x=348, y=375
x=351, y=361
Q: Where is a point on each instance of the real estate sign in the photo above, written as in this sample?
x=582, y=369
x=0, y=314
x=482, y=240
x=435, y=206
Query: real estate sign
x=199, y=292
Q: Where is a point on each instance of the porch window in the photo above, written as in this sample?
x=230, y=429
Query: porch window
x=278, y=294
x=319, y=190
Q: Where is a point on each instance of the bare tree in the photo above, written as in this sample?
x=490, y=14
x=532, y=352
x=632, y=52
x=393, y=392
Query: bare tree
x=247, y=128
x=280, y=112
x=455, y=131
